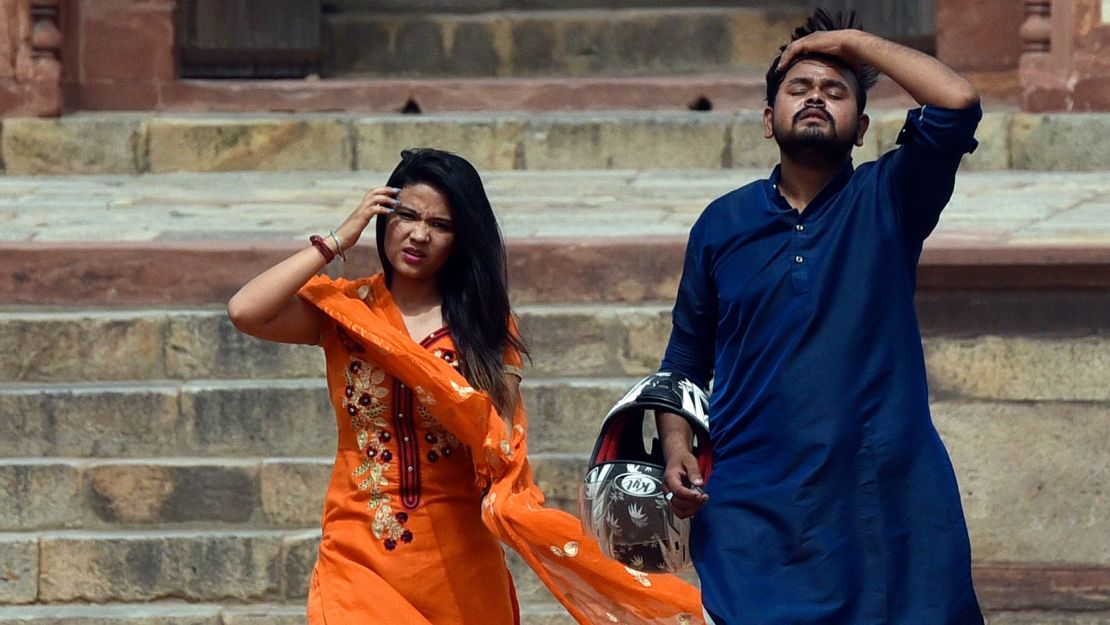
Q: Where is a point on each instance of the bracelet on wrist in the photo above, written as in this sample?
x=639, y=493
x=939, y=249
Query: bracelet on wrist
x=318, y=242
x=338, y=246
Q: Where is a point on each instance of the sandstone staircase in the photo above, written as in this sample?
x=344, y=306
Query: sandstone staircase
x=159, y=468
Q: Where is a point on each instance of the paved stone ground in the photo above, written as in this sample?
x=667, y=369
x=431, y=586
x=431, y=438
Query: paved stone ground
x=1009, y=208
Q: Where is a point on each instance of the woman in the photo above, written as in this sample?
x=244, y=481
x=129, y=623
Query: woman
x=423, y=361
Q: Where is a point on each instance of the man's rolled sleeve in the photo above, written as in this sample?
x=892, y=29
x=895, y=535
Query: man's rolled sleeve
x=941, y=129
x=921, y=174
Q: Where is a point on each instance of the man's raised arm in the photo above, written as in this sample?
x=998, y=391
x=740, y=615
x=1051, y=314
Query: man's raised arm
x=926, y=79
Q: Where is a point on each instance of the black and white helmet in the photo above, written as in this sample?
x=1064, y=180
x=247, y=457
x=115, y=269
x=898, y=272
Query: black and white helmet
x=622, y=503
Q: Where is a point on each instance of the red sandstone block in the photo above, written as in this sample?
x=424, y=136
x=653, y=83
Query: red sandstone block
x=132, y=42
x=979, y=36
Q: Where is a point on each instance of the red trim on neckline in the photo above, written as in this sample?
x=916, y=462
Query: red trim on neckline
x=434, y=336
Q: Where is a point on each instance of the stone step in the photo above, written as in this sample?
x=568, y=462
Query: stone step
x=293, y=614
x=1040, y=505
x=560, y=42
x=525, y=6
x=206, y=614
x=111, y=143
x=253, y=569
x=244, y=419
x=566, y=341
x=216, y=492
x=198, y=566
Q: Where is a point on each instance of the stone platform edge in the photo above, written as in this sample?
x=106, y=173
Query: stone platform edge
x=599, y=270
x=128, y=144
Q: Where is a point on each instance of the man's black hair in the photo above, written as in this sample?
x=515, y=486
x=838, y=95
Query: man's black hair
x=821, y=20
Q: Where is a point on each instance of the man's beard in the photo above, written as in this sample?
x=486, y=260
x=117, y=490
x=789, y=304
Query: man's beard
x=814, y=144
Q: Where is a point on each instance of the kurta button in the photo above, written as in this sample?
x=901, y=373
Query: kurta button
x=799, y=260
x=410, y=469
x=406, y=439
x=799, y=227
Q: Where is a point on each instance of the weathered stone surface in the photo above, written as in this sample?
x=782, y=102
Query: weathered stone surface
x=293, y=490
x=554, y=615
x=298, y=560
x=269, y=144
x=224, y=491
x=206, y=345
x=587, y=341
x=534, y=47
x=584, y=44
x=476, y=48
x=1032, y=477
x=628, y=141
x=56, y=346
x=488, y=143
x=1034, y=587
x=39, y=494
x=1048, y=618
x=529, y=588
x=144, y=614
x=418, y=46
x=559, y=476
x=748, y=146
x=264, y=614
x=1068, y=141
x=19, y=568
x=694, y=41
x=365, y=46
x=993, y=152
x=757, y=35
x=1020, y=368
x=452, y=42
x=89, y=420
x=278, y=418
x=73, y=145
x=576, y=272
x=564, y=414
x=192, y=566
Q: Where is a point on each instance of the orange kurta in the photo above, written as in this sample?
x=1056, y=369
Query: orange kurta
x=394, y=554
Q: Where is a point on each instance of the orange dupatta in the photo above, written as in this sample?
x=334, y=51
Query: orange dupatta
x=592, y=588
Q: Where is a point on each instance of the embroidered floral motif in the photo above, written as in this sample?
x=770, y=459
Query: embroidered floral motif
x=365, y=402
x=442, y=443
x=389, y=526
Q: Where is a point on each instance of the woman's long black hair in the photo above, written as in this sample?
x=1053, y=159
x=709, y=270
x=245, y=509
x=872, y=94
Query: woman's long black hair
x=474, y=281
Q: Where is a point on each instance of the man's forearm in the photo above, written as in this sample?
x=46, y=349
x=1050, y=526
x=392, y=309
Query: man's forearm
x=926, y=79
x=674, y=433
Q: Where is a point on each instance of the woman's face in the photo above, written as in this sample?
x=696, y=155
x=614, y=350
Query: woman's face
x=419, y=236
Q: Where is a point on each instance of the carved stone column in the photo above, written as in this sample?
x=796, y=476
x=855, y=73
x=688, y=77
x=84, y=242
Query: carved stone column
x=1064, y=65
x=30, y=65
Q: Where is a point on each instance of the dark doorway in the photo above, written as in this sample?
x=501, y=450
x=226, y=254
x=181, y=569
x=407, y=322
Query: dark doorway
x=248, y=38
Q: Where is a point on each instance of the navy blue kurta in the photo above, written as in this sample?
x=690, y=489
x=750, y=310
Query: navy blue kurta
x=832, y=499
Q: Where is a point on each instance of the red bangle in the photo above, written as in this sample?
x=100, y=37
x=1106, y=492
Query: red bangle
x=317, y=241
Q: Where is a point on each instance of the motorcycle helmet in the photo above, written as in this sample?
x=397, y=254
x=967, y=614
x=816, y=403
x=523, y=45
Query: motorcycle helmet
x=622, y=502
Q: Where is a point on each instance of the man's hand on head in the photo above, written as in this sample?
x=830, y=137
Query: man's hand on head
x=842, y=44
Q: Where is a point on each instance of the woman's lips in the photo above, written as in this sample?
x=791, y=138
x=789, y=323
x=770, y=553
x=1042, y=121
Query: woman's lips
x=413, y=256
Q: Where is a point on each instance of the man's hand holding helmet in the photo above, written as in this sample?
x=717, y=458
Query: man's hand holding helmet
x=682, y=478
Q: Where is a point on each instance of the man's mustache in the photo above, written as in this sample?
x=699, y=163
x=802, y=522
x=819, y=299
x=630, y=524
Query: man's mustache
x=812, y=109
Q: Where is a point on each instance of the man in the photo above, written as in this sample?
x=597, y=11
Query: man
x=832, y=499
